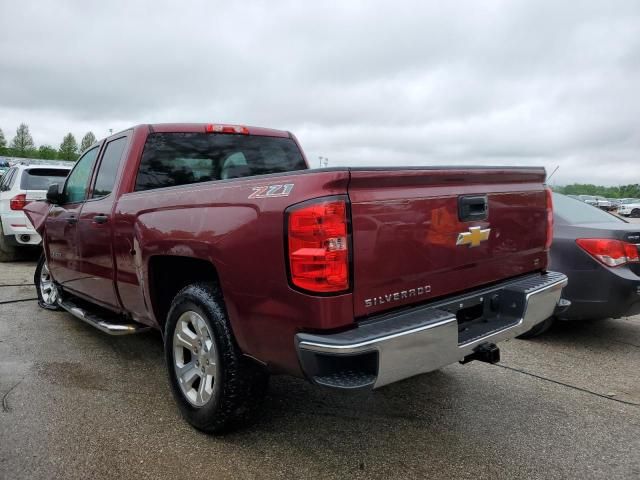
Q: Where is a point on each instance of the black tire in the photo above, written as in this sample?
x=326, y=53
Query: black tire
x=43, y=300
x=635, y=213
x=537, y=330
x=239, y=384
x=8, y=252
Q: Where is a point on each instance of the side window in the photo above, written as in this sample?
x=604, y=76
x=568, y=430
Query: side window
x=12, y=179
x=75, y=190
x=4, y=183
x=109, y=167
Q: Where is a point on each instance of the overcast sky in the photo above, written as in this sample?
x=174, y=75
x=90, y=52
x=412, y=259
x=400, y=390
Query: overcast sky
x=360, y=82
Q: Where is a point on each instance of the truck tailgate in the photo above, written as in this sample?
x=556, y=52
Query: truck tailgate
x=420, y=234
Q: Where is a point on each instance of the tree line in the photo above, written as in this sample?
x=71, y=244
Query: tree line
x=22, y=146
x=622, y=191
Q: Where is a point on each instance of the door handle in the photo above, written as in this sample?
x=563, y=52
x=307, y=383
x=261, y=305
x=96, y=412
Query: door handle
x=100, y=219
x=473, y=207
x=72, y=220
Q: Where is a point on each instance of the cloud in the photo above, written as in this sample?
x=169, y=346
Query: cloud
x=363, y=83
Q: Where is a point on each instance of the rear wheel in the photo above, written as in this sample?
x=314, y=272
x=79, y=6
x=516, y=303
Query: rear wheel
x=217, y=389
x=635, y=213
x=8, y=252
x=48, y=293
x=538, y=329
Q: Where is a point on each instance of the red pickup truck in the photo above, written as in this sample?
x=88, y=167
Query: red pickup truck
x=250, y=263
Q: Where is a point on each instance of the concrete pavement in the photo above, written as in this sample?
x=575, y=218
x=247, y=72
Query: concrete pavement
x=79, y=404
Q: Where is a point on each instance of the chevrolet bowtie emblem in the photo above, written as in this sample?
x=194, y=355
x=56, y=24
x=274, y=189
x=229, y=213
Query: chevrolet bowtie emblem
x=473, y=237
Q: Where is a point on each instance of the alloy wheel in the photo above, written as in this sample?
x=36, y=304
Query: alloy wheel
x=195, y=358
x=48, y=289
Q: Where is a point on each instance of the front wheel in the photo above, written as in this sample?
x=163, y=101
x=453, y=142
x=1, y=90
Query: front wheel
x=48, y=293
x=635, y=213
x=217, y=389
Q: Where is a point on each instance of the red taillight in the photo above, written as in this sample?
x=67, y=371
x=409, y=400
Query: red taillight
x=318, y=244
x=549, y=240
x=612, y=253
x=18, y=202
x=632, y=252
x=238, y=129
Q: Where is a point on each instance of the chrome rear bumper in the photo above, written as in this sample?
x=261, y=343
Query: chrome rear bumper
x=422, y=339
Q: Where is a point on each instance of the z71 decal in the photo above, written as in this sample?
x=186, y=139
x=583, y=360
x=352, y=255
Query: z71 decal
x=271, y=191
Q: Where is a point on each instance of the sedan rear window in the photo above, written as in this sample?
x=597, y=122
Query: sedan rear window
x=571, y=211
x=171, y=159
x=41, y=178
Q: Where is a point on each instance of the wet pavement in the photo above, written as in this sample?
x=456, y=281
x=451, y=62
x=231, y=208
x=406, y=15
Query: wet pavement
x=77, y=403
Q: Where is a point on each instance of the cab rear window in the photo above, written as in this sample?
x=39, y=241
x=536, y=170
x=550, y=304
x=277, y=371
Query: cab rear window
x=171, y=159
x=41, y=178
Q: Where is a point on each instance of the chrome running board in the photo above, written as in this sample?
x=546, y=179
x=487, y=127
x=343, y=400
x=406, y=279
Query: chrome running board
x=103, y=324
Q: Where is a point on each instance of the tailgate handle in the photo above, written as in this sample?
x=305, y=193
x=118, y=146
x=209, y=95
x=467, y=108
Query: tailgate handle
x=473, y=207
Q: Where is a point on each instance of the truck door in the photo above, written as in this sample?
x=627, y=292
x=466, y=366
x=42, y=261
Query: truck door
x=95, y=228
x=61, y=223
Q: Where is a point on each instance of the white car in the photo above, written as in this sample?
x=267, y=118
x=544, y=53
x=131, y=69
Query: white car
x=20, y=185
x=629, y=207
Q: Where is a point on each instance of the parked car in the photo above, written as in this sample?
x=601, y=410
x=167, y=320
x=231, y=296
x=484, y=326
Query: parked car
x=599, y=253
x=19, y=186
x=4, y=166
x=589, y=200
x=249, y=263
x=604, y=204
x=629, y=207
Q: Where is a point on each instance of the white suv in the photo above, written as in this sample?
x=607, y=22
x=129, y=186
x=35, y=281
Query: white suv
x=19, y=186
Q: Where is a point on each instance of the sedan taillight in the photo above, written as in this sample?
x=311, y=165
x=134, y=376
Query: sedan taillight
x=318, y=245
x=549, y=239
x=611, y=253
x=18, y=202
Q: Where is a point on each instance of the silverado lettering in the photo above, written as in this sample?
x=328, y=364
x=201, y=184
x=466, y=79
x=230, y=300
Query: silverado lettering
x=396, y=296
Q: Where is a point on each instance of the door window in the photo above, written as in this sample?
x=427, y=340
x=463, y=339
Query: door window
x=6, y=180
x=75, y=190
x=4, y=183
x=109, y=167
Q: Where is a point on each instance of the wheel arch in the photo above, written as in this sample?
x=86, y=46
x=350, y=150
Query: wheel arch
x=168, y=274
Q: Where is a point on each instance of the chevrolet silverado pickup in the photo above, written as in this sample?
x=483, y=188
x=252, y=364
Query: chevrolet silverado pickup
x=249, y=263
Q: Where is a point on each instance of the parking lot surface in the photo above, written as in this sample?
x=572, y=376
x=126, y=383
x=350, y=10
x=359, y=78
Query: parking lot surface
x=77, y=403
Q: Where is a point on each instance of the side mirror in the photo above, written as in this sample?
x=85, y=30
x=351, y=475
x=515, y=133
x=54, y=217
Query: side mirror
x=53, y=194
